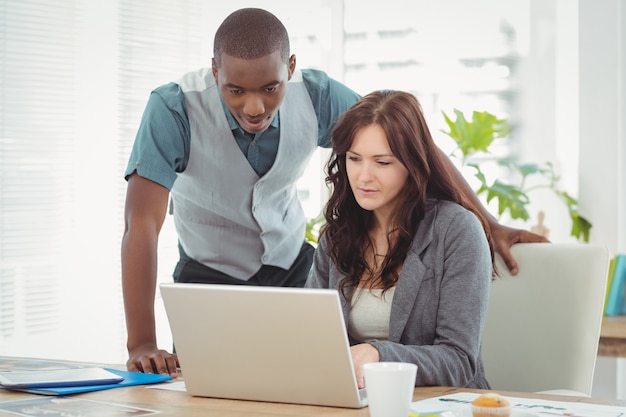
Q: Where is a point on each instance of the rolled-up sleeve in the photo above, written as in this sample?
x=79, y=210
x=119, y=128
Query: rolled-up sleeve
x=161, y=146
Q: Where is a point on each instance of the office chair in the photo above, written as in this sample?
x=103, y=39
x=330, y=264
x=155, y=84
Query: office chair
x=543, y=325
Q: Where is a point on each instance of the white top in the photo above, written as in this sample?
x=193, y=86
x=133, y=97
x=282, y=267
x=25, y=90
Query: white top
x=370, y=313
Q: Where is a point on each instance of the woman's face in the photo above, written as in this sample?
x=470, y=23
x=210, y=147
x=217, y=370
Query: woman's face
x=376, y=176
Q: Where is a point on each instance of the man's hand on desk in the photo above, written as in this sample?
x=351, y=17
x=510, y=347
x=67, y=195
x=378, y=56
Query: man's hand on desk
x=152, y=360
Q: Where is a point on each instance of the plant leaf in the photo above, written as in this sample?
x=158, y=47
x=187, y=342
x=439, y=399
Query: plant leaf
x=580, y=227
x=477, y=135
x=509, y=198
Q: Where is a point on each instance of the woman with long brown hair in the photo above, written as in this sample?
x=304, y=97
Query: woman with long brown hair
x=411, y=258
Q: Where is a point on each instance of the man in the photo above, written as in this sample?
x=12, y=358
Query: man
x=228, y=145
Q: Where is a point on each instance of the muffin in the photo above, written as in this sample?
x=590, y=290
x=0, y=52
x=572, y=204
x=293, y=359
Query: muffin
x=491, y=405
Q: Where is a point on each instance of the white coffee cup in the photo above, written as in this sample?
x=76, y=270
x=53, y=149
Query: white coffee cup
x=389, y=387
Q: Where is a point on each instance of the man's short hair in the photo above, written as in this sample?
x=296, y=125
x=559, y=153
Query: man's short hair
x=250, y=33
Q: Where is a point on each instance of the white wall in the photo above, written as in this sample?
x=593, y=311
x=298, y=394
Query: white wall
x=602, y=112
x=602, y=115
x=574, y=110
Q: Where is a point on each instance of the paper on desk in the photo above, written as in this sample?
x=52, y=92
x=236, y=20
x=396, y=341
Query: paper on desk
x=11, y=363
x=171, y=386
x=543, y=408
x=64, y=406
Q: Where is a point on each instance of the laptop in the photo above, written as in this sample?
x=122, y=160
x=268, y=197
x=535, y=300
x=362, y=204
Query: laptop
x=285, y=345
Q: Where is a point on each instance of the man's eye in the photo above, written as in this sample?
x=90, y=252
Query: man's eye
x=271, y=89
x=235, y=92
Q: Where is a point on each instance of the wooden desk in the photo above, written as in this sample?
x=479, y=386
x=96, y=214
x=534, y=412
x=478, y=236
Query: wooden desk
x=613, y=337
x=180, y=404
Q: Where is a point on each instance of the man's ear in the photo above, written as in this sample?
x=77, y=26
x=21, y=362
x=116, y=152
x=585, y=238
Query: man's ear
x=292, y=66
x=214, y=69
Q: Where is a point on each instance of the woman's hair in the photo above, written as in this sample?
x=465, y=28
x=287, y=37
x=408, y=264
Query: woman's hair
x=250, y=34
x=400, y=116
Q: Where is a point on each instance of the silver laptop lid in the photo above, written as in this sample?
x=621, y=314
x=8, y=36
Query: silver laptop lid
x=262, y=343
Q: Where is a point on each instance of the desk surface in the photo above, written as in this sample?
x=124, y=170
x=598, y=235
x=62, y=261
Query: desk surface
x=613, y=336
x=175, y=403
x=179, y=403
x=614, y=327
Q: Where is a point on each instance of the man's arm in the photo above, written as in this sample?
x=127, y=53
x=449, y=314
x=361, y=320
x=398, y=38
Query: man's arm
x=503, y=237
x=146, y=207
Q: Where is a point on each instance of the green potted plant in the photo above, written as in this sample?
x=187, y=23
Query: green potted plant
x=476, y=137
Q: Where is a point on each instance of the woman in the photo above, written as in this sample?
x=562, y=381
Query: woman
x=412, y=259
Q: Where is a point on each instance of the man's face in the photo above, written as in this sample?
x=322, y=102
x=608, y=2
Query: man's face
x=253, y=89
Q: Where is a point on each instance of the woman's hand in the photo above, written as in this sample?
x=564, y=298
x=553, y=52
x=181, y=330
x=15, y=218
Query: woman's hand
x=362, y=354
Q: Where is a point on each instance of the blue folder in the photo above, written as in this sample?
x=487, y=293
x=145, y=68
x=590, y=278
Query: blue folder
x=130, y=378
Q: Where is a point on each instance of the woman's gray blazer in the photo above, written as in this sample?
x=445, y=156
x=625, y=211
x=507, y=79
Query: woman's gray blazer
x=440, y=302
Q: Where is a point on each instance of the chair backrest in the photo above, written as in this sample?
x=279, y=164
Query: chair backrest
x=543, y=325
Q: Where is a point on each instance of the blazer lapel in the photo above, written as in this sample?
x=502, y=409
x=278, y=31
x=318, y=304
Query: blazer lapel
x=411, y=276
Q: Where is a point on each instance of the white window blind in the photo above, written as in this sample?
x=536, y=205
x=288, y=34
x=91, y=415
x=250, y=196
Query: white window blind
x=37, y=147
x=74, y=81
